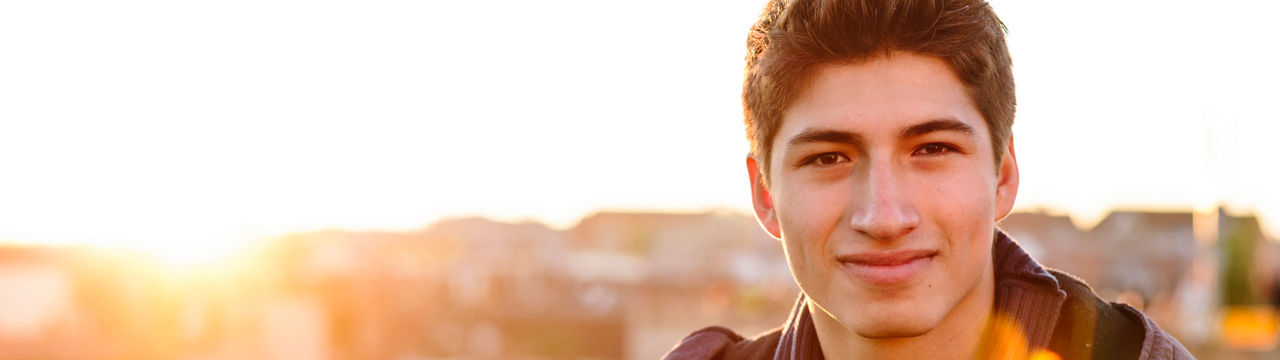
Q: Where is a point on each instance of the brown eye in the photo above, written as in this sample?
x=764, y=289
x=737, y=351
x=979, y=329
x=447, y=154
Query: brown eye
x=934, y=149
x=829, y=159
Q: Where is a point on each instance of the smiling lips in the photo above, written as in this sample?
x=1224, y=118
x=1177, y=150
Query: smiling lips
x=887, y=268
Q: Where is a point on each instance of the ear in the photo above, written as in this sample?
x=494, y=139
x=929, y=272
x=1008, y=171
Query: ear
x=762, y=200
x=1007, y=182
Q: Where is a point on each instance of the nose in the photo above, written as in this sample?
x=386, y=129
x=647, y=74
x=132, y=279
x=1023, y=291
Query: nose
x=882, y=207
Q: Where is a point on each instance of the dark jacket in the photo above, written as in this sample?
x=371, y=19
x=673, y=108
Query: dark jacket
x=1056, y=312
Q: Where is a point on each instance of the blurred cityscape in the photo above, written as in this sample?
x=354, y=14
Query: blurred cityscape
x=615, y=286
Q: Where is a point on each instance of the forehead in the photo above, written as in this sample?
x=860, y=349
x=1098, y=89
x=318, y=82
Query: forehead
x=881, y=96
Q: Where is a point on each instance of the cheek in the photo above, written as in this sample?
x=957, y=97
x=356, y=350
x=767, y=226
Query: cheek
x=811, y=213
x=963, y=197
x=963, y=209
x=807, y=219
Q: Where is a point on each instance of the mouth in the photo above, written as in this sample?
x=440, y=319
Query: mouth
x=887, y=267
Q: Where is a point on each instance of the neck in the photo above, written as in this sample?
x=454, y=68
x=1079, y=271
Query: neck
x=959, y=335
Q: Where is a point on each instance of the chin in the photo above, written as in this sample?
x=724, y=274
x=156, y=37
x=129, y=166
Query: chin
x=908, y=322
x=892, y=332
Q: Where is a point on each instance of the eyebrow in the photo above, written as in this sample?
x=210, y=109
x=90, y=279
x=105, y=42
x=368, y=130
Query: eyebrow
x=821, y=135
x=945, y=124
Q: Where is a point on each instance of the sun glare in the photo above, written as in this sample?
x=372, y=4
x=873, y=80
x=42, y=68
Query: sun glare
x=193, y=253
x=175, y=252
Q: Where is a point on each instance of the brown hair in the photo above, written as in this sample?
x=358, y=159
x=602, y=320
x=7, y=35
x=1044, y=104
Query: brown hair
x=794, y=37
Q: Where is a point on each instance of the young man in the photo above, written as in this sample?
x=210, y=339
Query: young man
x=882, y=157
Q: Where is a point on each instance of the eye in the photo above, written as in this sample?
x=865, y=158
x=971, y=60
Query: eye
x=934, y=149
x=827, y=159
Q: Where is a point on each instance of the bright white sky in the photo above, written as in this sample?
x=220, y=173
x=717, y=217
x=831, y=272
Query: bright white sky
x=197, y=124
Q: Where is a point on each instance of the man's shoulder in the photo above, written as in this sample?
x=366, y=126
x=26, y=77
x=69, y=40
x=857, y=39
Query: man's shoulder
x=1091, y=328
x=721, y=343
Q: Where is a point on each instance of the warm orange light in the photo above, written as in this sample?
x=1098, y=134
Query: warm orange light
x=1250, y=327
x=1045, y=355
x=1006, y=338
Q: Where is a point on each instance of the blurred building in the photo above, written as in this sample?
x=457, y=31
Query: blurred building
x=1142, y=252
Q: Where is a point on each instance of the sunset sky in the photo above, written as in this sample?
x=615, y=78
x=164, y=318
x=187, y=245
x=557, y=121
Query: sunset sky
x=204, y=125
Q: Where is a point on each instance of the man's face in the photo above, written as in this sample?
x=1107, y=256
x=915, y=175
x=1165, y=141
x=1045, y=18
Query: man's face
x=884, y=191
